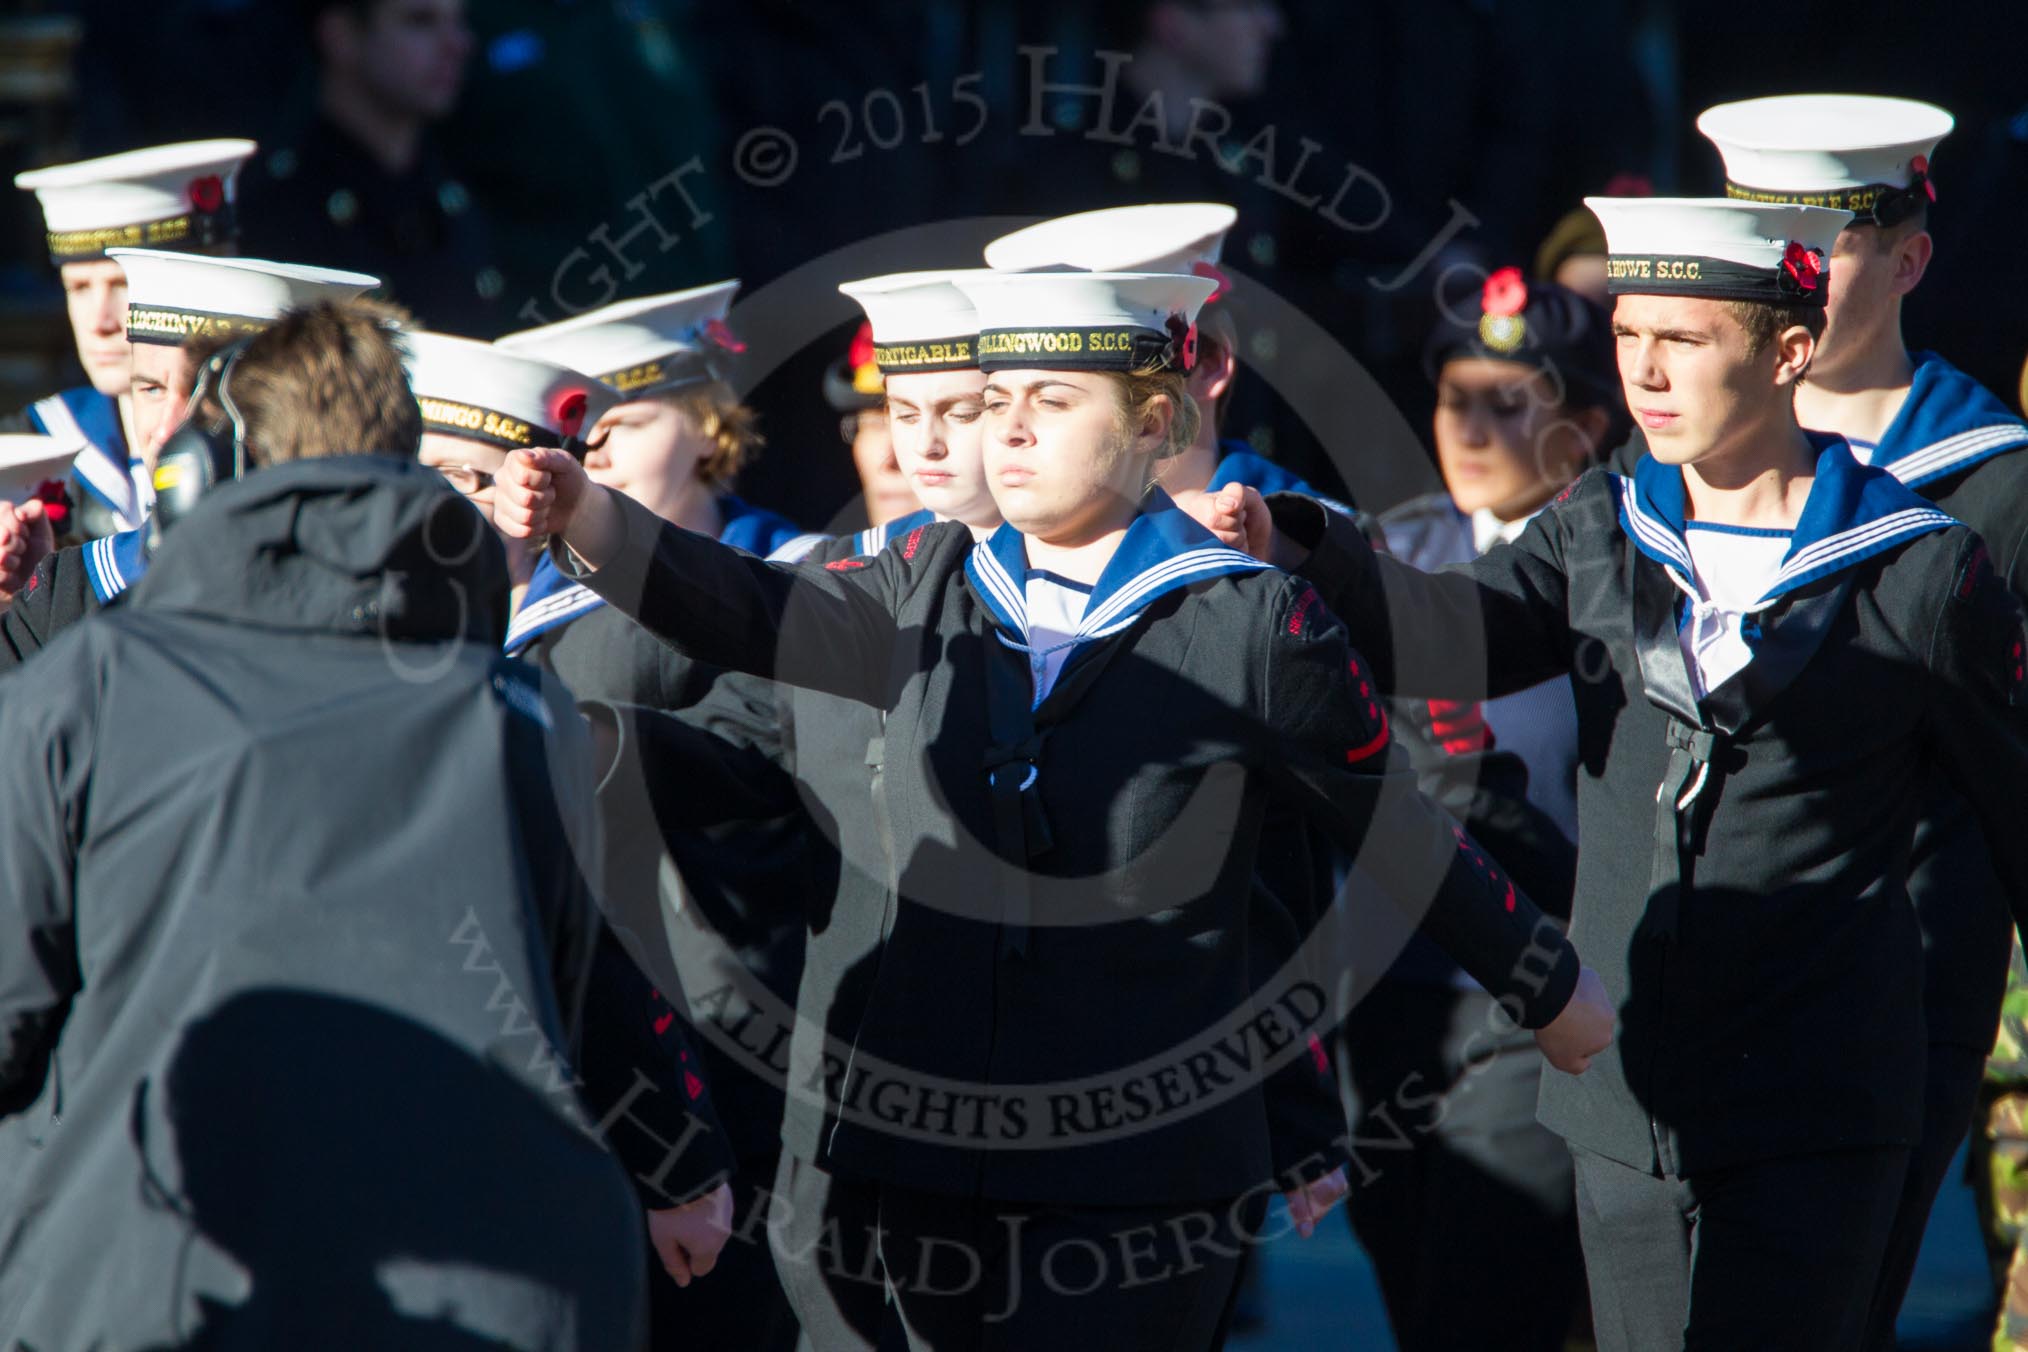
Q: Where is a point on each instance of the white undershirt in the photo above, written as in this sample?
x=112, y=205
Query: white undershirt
x=1489, y=530
x=1733, y=569
x=1055, y=609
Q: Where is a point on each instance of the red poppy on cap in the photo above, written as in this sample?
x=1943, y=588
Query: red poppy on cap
x=55, y=502
x=207, y=194
x=719, y=332
x=1211, y=270
x=1920, y=164
x=1806, y=266
x=568, y=411
x=1506, y=293
x=861, y=351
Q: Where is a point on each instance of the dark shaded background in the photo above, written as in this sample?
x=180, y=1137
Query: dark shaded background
x=1511, y=109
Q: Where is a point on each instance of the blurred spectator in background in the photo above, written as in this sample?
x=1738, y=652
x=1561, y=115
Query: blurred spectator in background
x=362, y=186
x=854, y=388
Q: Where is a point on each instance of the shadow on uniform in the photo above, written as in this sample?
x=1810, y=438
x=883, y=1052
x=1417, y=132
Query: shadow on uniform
x=329, y=1148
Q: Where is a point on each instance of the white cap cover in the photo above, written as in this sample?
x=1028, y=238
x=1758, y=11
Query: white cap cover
x=1850, y=152
x=921, y=321
x=641, y=347
x=174, y=296
x=181, y=195
x=482, y=393
x=1718, y=248
x=1087, y=321
x=26, y=460
x=1164, y=237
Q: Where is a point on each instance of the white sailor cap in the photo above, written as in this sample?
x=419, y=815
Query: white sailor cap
x=1164, y=237
x=1850, y=152
x=1717, y=248
x=505, y=399
x=921, y=320
x=641, y=347
x=1087, y=321
x=174, y=296
x=28, y=460
x=179, y=195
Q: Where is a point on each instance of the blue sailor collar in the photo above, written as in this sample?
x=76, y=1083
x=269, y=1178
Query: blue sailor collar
x=91, y=421
x=1949, y=422
x=1239, y=464
x=754, y=529
x=1164, y=550
x=553, y=600
x=876, y=538
x=114, y=563
x=1853, y=512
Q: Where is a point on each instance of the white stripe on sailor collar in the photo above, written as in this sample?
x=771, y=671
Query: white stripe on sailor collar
x=798, y=549
x=95, y=467
x=1164, y=550
x=1953, y=453
x=548, y=613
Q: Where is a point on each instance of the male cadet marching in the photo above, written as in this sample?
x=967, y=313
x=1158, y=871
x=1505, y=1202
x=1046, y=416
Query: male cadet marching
x=175, y=304
x=1796, y=649
x=171, y=197
x=1944, y=435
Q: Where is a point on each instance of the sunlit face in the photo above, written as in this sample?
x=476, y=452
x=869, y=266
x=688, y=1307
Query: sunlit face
x=1503, y=442
x=162, y=377
x=469, y=466
x=95, y=294
x=648, y=449
x=1057, y=459
x=936, y=422
x=1688, y=379
x=881, y=483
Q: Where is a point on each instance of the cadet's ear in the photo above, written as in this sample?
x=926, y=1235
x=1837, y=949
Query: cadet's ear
x=1794, y=346
x=1911, y=261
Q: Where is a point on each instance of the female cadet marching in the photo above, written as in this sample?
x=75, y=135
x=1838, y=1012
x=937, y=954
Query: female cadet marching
x=1110, y=724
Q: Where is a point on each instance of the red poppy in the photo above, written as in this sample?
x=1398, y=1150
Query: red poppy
x=207, y=194
x=861, y=352
x=1806, y=266
x=1182, y=343
x=55, y=503
x=1211, y=270
x=719, y=332
x=568, y=410
x=1920, y=164
x=1506, y=293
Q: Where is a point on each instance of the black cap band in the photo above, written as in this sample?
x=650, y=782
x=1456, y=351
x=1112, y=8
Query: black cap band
x=1100, y=349
x=1870, y=204
x=645, y=379
x=957, y=353
x=171, y=327
x=192, y=232
x=1800, y=280
x=453, y=419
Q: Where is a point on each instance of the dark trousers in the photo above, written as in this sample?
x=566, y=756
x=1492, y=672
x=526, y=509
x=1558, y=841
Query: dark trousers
x=739, y=1303
x=955, y=1274
x=1950, y=1094
x=1780, y=1254
x=1456, y=1188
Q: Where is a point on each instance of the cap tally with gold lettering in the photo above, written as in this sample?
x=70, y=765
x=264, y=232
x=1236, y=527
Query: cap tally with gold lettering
x=1159, y=237
x=483, y=393
x=174, y=296
x=1087, y=321
x=176, y=196
x=1718, y=248
x=921, y=320
x=654, y=345
x=1850, y=152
